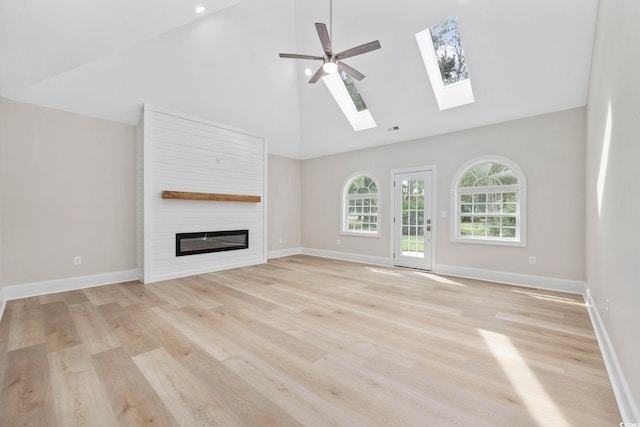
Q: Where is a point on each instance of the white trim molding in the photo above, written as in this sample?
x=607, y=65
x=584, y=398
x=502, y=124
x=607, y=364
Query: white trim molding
x=516, y=279
x=204, y=270
x=280, y=253
x=33, y=289
x=344, y=210
x=346, y=256
x=627, y=405
x=520, y=188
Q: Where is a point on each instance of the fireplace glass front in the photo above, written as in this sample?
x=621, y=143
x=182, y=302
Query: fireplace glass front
x=211, y=241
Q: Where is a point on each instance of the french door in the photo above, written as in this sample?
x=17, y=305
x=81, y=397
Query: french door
x=412, y=222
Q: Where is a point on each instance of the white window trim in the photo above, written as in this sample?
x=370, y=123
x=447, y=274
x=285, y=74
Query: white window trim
x=344, y=231
x=455, y=200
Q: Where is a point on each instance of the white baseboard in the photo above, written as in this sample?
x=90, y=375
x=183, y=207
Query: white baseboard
x=33, y=289
x=284, y=252
x=629, y=409
x=186, y=273
x=346, y=256
x=518, y=279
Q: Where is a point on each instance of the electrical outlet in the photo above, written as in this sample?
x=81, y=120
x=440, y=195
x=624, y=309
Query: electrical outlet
x=77, y=260
x=280, y=240
x=443, y=214
x=606, y=307
x=532, y=260
x=338, y=242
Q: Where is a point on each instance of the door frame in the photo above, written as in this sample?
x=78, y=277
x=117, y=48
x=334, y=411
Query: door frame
x=434, y=199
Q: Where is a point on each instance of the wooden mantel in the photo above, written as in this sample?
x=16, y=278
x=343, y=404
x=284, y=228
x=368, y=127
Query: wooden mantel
x=186, y=195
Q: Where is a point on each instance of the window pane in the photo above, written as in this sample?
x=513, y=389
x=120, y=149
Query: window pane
x=509, y=221
x=493, y=221
x=495, y=208
x=479, y=198
x=479, y=208
x=509, y=208
x=493, y=231
x=509, y=232
x=510, y=197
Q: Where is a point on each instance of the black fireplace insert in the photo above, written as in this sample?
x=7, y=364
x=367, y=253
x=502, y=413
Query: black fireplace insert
x=211, y=241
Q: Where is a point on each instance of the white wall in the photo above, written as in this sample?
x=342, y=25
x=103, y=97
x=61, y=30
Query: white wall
x=68, y=189
x=284, y=206
x=227, y=62
x=183, y=153
x=549, y=149
x=612, y=201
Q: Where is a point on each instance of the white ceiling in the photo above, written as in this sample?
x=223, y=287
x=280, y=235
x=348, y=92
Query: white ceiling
x=106, y=58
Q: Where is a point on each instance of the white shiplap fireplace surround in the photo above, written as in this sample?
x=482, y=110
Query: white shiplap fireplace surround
x=178, y=153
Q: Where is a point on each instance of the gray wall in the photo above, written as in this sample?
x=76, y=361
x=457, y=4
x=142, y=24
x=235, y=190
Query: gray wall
x=284, y=205
x=68, y=189
x=549, y=149
x=612, y=176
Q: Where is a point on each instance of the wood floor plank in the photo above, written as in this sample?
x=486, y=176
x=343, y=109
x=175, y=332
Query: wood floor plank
x=26, y=388
x=303, y=340
x=304, y=405
x=143, y=294
x=201, y=327
x=60, y=331
x=101, y=295
x=126, y=330
x=92, y=328
x=5, y=332
x=79, y=394
x=248, y=404
x=186, y=396
x=170, y=338
x=132, y=399
x=74, y=297
x=27, y=324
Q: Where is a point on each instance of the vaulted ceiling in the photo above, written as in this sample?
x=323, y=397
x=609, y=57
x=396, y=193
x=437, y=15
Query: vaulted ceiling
x=106, y=58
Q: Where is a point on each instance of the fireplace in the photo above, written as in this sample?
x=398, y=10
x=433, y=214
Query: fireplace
x=211, y=241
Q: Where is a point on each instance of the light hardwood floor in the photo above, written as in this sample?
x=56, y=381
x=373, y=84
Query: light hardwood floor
x=303, y=341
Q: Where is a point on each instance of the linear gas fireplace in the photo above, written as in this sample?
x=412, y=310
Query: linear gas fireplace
x=211, y=241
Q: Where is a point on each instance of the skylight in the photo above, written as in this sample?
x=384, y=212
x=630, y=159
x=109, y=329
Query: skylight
x=344, y=91
x=353, y=91
x=448, y=49
x=443, y=56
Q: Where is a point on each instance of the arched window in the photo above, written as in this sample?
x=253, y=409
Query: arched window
x=360, y=204
x=488, y=202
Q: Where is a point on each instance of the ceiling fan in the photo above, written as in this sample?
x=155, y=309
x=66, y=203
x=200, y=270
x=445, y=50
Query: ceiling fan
x=333, y=62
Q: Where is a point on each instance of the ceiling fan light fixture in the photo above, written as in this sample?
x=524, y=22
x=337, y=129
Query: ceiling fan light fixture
x=330, y=67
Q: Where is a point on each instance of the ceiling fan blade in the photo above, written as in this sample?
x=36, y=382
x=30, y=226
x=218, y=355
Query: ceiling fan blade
x=351, y=71
x=358, y=50
x=296, y=56
x=324, y=38
x=317, y=75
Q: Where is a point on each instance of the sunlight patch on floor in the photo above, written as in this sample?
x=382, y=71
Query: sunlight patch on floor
x=383, y=271
x=552, y=298
x=540, y=405
x=438, y=279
